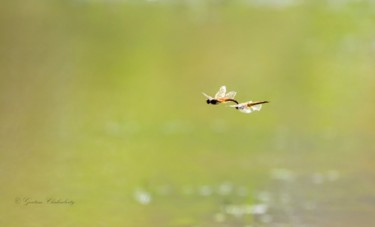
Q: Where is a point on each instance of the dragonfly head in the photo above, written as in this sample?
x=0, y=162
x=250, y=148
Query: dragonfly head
x=212, y=101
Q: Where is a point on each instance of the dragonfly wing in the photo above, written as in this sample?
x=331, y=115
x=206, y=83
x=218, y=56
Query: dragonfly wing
x=221, y=92
x=245, y=109
x=207, y=96
x=239, y=106
x=230, y=95
x=242, y=107
x=256, y=107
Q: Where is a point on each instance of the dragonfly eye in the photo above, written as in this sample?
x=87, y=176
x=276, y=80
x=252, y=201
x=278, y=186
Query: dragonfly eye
x=208, y=101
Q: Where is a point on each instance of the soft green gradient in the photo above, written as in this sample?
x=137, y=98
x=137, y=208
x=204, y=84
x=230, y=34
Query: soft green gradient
x=101, y=98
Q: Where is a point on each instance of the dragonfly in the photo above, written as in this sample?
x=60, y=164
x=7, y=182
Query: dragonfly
x=250, y=106
x=221, y=96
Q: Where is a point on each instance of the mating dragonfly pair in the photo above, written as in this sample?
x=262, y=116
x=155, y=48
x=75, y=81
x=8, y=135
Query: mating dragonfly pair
x=223, y=97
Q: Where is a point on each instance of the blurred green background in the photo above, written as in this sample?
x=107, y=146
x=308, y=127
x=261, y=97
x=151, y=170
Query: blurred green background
x=101, y=106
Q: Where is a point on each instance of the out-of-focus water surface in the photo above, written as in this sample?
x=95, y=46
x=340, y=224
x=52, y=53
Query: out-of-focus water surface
x=102, y=120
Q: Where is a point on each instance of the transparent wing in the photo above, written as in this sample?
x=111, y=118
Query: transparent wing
x=242, y=107
x=230, y=95
x=221, y=92
x=256, y=107
x=239, y=105
x=245, y=109
x=207, y=96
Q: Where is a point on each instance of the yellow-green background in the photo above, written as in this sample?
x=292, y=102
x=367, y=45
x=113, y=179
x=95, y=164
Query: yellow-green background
x=101, y=98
